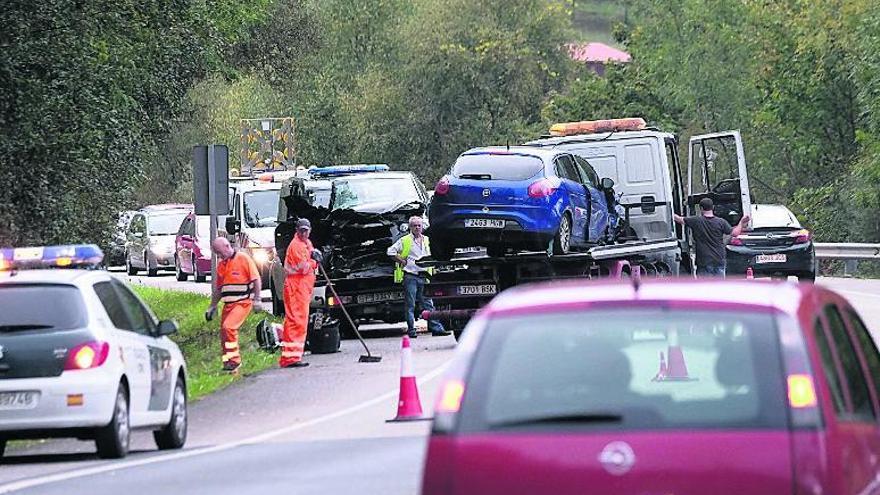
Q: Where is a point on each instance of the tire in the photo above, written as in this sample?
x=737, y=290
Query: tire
x=277, y=302
x=178, y=272
x=562, y=239
x=151, y=272
x=441, y=251
x=113, y=440
x=173, y=435
x=2, y=446
x=129, y=268
x=807, y=277
x=197, y=276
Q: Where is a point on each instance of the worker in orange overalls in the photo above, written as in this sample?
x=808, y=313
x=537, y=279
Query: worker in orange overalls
x=300, y=263
x=238, y=285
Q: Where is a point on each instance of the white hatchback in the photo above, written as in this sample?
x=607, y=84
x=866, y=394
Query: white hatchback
x=82, y=356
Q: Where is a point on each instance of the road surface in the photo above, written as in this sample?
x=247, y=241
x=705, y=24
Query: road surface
x=320, y=429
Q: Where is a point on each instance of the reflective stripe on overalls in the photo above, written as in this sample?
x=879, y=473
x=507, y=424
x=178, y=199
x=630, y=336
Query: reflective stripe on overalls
x=407, y=242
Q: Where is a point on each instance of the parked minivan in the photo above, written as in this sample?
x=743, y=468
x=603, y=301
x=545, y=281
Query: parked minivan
x=150, y=238
x=685, y=387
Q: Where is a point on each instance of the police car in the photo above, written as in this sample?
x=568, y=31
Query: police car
x=82, y=356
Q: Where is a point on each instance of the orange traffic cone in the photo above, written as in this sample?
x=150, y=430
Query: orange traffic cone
x=409, y=407
x=750, y=275
x=661, y=375
x=676, y=370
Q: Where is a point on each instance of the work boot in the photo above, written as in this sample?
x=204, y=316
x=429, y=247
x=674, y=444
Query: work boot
x=442, y=333
x=413, y=334
x=230, y=366
x=298, y=364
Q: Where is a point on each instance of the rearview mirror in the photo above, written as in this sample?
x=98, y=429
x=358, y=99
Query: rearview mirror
x=607, y=183
x=167, y=327
x=233, y=226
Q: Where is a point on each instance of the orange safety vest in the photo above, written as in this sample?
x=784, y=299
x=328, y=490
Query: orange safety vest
x=236, y=278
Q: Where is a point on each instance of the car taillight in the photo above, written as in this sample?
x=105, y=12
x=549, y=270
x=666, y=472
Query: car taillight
x=736, y=241
x=801, y=392
x=450, y=397
x=802, y=236
x=442, y=186
x=88, y=355
x=542, y=188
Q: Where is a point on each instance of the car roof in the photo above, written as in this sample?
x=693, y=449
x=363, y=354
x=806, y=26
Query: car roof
x=545, y=154
x=53, y=276
x=600, y=136
x=391, y=174
x=781, y=296
x=256, y=185
x=166, y=207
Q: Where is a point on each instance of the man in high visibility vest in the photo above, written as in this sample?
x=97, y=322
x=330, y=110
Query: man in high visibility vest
x=300, y=263
x=237, y=285
x=406, y=252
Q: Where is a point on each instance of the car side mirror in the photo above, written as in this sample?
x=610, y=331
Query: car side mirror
x=607, y=183
x=167, y=327
x=648, y=204
x=233, y=226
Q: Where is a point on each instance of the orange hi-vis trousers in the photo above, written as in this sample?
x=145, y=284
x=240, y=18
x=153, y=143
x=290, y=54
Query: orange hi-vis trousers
x=231, y=320
x=297, y=296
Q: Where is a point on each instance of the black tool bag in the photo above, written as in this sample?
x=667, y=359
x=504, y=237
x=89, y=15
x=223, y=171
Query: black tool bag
x=267, y=337
x=323, y=336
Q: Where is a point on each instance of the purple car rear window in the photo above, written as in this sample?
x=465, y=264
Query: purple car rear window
x=604, y=370
x=497, y=167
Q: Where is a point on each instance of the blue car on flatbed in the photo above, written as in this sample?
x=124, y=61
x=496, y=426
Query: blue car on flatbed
x=520, y=198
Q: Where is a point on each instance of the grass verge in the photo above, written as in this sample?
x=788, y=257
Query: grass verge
x=199, y=340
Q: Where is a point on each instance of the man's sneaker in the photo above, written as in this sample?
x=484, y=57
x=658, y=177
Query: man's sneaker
x=413, y=335
x=444, y=333
x=230, y=366
x=298, y=364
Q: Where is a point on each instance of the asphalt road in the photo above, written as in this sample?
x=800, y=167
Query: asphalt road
x=320, y=429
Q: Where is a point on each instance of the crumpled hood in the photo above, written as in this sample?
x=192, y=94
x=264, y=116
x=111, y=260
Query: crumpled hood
x=353, y=241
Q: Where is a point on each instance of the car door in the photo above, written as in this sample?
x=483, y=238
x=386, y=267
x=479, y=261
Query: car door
x=852, y=430
x=134, y=355
x=717, y=170
x=599, y=214
x=184, y=244
x=577, y=196
x=136, y=240
x=158, y=358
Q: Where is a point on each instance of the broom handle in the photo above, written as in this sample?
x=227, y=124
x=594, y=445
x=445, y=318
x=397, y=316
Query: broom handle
x=344, y=311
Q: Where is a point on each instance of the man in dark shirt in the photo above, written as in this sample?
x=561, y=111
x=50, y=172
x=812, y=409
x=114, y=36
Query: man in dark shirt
x=709, y=231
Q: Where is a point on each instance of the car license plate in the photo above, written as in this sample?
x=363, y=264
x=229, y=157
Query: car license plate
x=483, y=223
x=379, y=297
x=18, y=400
x=476, y=290
x=771, y=258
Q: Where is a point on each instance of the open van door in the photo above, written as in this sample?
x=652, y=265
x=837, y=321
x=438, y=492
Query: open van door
x=717, y=170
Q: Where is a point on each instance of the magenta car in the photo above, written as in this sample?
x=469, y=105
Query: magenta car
x=672, y=387
x=192, y=255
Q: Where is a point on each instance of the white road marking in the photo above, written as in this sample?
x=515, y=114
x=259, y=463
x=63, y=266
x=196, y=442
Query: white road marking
x=114, y=466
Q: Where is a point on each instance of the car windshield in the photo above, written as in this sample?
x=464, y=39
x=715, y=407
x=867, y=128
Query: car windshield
x=261, y=208
x=166, y=223
x=320, y=196
x=23, y=307
x=497, y=167
x=367, y=192
x=769, y=216
x=633, y=369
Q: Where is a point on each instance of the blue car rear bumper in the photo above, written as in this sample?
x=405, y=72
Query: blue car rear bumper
x=523, y=224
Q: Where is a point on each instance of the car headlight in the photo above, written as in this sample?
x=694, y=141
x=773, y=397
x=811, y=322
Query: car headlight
x=261, y=256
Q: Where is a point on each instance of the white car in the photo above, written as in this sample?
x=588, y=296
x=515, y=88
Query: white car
x=82, y=356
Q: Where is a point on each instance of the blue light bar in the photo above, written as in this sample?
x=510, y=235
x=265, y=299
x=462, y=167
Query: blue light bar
x=346, y=170
x=70, y=256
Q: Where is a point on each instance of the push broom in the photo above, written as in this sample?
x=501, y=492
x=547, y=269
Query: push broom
x=368, y=358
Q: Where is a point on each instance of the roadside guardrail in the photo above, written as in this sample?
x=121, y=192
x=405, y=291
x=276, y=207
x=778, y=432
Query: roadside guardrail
x=847, y=251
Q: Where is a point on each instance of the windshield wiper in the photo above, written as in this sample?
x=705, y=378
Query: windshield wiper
x=24, y=326
x=562, y=418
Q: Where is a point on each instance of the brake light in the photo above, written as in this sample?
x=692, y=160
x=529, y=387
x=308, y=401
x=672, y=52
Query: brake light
x=542, y=188
x=442, y=186
x=331, y=301
x=802, y=236
x=801, y=392
x=736, y=241
x=450, y=397
x=88, y=355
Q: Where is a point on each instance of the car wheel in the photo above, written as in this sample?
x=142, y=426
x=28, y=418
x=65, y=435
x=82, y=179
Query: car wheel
x=181, y=275
x=151, y=272
x=807, y=277
x=2, y=446
x=198, y=276
x=113, y=440
x=129, y=268
x=277, y=302
x=173, y=435
x=441, y=251
x=562, y=241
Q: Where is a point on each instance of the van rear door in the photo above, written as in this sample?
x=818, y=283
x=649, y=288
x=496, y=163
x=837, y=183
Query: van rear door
x=717, y=170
